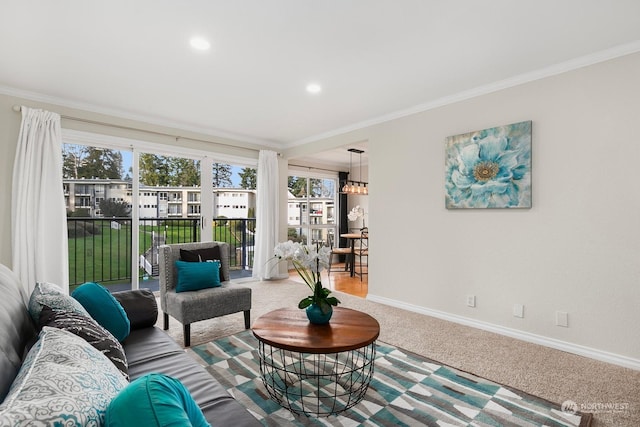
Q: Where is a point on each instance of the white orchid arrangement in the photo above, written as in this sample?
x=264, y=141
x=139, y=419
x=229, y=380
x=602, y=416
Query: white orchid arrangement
x=356, y=213
x=309, y=261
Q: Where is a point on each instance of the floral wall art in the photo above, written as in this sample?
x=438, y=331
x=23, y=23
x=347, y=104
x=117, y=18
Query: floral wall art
x=490, y=168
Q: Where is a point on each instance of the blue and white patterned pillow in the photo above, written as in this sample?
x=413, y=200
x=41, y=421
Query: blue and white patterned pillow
x=52, y=296
x=89, y=330
x=63, y=381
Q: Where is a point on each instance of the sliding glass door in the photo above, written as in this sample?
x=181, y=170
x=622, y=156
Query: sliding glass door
x=123, y=204
x=125, y=198
x=98, y=214
x=169, y=208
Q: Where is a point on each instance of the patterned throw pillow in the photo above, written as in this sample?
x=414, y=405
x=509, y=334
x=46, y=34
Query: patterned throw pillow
x=52, y=296
x=90, y=331
x=63, y=381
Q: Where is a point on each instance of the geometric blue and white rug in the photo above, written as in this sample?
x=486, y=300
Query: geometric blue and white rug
x=406, y=390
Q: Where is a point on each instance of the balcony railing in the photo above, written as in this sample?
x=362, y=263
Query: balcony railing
x=100, y=248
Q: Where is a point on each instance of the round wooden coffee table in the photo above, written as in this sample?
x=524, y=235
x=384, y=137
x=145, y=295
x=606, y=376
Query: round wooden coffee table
x=316, y=369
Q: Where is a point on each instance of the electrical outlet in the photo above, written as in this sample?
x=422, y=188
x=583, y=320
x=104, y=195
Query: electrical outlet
x=471, y=300
x=518, y=310
x=562, y=319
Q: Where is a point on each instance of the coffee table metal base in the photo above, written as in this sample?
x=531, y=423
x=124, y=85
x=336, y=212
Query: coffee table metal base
x=316, y=384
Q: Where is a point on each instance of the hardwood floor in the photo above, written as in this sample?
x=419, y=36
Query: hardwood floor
x=341, y=281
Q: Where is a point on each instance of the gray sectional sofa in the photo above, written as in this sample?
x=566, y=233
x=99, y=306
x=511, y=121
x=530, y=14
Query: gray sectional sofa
x=147, y=348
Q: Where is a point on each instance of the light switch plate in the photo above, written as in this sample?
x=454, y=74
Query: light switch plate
x=518, y=310
x=562, y=319
x=471, y=300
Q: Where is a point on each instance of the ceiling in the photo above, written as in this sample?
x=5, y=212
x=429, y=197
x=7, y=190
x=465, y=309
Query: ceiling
x=373, y=58
x=339, y=159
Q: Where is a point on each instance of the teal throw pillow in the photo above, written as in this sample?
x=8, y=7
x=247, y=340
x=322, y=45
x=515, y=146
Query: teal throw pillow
x=205, y=254
x=104, y=308
x=193, y=276
x=154, y=400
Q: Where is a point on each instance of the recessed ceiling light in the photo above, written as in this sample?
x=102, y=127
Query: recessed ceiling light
x=314, y=88
x=199, y=43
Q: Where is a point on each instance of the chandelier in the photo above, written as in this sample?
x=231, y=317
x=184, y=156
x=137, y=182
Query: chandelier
x=355, y=187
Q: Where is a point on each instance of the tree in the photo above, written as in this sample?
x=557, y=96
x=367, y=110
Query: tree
x=79, y=161
x=169, y=171
x=100, y=163
x=71, y=159
x=221, y=175
x=297, y=186
x=321, y=187
x=185, y=172
x=316, y=187
x=79, y=213
x=112, y=162
x=111, y=208
x=248, y=178
x=153, y=170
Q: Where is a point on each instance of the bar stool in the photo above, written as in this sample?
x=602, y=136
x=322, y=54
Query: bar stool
x=362, y=251
x=338, y=251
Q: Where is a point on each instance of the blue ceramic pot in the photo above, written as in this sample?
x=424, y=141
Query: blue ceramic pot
x=316, y=316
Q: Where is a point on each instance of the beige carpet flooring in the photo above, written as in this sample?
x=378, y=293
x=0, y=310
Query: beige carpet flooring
x=547, y=373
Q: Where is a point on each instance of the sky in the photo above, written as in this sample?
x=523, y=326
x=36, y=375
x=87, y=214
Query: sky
x=126, y=165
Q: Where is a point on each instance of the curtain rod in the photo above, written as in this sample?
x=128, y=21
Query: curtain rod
x=312, y=167
x=18, y=108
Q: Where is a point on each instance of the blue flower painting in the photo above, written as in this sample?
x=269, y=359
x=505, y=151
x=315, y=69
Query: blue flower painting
x=490, y=168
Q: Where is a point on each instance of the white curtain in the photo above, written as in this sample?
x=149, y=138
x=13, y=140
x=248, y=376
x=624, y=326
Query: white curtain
x=38, y=214
x=267, y=216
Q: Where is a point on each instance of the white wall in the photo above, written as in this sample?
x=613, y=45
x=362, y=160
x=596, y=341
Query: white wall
x=9, y=130
x=578, y=248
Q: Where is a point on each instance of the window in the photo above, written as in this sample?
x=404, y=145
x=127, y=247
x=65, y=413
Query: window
x=193, y=197
x=310, y=208
x=175, y=210
x=118, y=173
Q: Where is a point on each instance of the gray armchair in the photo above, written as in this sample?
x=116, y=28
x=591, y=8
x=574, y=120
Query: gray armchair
x=193, y=306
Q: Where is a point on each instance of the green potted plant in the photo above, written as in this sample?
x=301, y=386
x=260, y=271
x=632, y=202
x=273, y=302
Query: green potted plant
x=309, y=260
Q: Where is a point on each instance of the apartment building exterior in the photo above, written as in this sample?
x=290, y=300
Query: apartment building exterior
x=185, y=202
x=156, y=202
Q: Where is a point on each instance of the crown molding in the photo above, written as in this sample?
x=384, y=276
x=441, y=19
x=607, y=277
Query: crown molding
x=563, y=67
x=67, y=103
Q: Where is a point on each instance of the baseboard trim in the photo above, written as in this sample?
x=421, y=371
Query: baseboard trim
x=580, y=350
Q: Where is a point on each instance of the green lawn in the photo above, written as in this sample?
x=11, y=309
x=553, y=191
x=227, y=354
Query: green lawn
x=175, y=232
x=101, y=257
x=106, y=257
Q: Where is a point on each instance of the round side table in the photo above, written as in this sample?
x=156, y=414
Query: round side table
x=316, y=370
